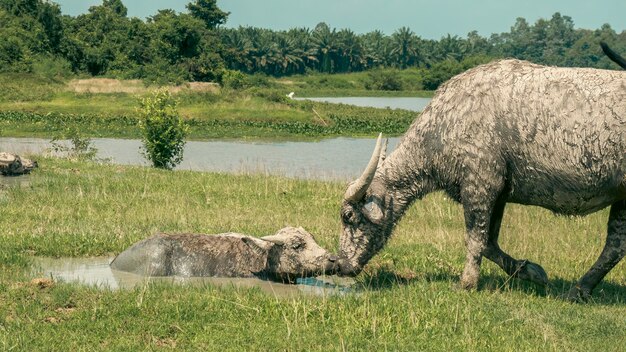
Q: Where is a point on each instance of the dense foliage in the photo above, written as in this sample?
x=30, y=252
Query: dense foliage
x=174, y=47
x=163, y=130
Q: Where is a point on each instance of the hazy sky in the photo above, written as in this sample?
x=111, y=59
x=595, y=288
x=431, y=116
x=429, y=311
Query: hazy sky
x=430, y=19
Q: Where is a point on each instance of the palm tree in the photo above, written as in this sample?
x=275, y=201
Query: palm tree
x=325, y=43
x=377, y=49
x=450, y=47
x=351, y=53
x=238, y=48
x=288, y=55
x=303, y=41
x=405, y=47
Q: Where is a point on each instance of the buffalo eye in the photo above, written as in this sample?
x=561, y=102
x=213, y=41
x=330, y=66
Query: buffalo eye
x=297, y=245
x=347, y=216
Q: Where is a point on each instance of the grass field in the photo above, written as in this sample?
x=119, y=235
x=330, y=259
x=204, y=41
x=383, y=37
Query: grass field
x=408, y=299
x=38, y=107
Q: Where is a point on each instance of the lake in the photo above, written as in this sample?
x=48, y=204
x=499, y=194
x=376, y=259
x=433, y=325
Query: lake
x=406, y=103
x=329, y=159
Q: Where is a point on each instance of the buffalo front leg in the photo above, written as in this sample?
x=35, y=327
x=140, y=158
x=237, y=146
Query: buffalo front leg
x=614, y=250
x=483, y=183
x=476, y=236
x=521, y=269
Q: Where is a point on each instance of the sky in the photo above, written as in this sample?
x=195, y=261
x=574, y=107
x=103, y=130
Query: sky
x=430, y=19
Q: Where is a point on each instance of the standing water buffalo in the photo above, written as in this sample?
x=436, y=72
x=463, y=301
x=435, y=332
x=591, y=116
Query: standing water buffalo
x=289, y=254
x=507, y=131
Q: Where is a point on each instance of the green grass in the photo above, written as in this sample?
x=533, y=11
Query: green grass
x=254, y=118
x=28, y=87
x=353, y=84
x=408, y=299
x=45, y=106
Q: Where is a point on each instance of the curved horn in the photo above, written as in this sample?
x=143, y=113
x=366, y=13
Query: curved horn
x=383, y=152
x=357, y=188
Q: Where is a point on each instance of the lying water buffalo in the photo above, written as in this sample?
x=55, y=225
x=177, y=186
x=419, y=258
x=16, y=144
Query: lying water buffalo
x=289, y=254
x=507, y=131
x=13, y=165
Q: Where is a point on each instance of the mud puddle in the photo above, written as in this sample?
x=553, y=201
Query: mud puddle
x=14, y=181
x=97, y=272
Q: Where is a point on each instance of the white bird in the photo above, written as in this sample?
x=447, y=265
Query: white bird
x=290, y=95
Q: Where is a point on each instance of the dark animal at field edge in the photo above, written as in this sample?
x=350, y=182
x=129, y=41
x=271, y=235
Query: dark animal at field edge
x=506, y=132
x=285, y=256
x=14, y=165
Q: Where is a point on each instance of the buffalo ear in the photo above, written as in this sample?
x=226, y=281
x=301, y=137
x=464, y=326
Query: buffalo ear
x=256, y=245
x=373, y=212
x=275, y=239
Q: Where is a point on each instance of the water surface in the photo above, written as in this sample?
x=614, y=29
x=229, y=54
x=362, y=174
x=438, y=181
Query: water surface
x=406, y=103
x=330, y=159
x=97, y=272
x=338, y=158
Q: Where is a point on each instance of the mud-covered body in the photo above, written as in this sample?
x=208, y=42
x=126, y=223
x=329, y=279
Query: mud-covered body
x=291, y=253
x=508, y=131
x=557, y=136
x=191, y=255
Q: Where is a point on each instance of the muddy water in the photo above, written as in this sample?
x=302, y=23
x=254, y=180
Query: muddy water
x=97, y=272
x=14, y=181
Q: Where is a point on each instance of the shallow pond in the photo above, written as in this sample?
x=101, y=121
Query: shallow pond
x=14, y=181
x=338, y=158
x=97, y=272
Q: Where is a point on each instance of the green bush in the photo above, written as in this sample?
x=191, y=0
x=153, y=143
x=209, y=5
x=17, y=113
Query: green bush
x=163, y=131
x=441, y=72
x=27, y=87
x=258, y=80
x=444, y=70
x=384, y=80
x=52, y=67
x=233, y=79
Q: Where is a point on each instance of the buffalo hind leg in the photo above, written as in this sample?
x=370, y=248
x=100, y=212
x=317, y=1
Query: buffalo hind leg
x=614, y=250
x=521, y=269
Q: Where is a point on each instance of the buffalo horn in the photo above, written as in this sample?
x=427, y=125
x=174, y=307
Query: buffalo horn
x=357, y=188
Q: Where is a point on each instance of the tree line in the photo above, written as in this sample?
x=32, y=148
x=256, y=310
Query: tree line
x=193, y=46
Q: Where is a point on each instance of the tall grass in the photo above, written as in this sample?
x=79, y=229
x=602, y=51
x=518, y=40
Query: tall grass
x=407, y=300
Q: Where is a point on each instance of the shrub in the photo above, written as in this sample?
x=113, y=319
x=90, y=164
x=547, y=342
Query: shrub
x=441, y=72
x=80, y=148
x=163, y=131
x=233, y=79
x=52, y=67
x=383, y=80
x=258, y=80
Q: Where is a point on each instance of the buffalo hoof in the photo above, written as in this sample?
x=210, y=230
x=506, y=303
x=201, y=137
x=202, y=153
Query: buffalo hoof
x=532, y=272
x=578, y=294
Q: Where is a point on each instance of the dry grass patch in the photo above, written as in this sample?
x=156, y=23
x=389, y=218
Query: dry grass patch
x=133, y=86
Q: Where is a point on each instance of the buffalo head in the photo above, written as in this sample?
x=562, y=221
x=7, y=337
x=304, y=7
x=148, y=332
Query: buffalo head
x=365, y=217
